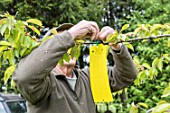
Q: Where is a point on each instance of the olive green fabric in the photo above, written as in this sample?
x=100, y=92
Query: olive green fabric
x=46, y=91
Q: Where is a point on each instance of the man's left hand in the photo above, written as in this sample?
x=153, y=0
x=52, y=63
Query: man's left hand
x=105, y=31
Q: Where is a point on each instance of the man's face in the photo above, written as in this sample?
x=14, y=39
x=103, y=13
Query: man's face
x=72, y=62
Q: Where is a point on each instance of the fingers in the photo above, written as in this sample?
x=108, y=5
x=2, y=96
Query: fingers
x=95, y=32
x=104, y=35
x=89, y=28
x=92, y=27
x=105, y=31
x=85, y=28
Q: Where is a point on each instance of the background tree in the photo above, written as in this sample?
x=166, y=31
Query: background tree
x=54, y=12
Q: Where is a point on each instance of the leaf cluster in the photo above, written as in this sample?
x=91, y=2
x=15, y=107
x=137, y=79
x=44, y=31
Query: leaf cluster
x=17, y=41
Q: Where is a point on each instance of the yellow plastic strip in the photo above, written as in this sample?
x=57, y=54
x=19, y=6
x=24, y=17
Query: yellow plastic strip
x=99, y=74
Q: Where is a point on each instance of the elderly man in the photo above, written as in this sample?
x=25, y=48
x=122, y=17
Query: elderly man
x=52, y=88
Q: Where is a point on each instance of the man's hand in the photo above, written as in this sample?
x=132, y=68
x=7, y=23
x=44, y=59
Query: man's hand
x=84, y=29
x=105, y=31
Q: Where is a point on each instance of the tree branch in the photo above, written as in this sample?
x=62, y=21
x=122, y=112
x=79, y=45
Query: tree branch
x=131, y=40
x=149, y=37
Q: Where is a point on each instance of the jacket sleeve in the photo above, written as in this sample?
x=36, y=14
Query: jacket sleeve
x=32, y=73
x=123, y=73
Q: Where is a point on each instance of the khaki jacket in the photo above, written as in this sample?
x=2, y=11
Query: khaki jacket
x=48, y=92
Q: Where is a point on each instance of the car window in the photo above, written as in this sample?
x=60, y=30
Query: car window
x=17, y=107
x=2, y=109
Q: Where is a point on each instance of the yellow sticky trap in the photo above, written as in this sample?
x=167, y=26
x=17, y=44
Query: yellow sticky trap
x=99, y=74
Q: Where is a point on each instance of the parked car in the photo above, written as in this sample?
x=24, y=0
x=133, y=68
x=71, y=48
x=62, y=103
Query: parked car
x=12, y=103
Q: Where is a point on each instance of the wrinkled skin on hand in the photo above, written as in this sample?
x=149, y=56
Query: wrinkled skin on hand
x=84, y=29
x=90, y=29
x=105, y=31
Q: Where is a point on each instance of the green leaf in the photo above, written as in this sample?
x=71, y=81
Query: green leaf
x=165, y=55
x=17, y=45
x=146, y=72
x=161, y=108
x=78, y=51
x=112, y=37
x=142, y=76
x=35, y=21
x=161, y=102
x=143, y=104
x=129, y=45
x=3, y=28
x=146, y=65
x=2, y=48
x=140, y=73
x=136, y=60
x=9, y=71
x=112, y=108
x=2, y=21
x=133, y=109
x=123, y=37
x=22, y=52
x=137, y=81
x=11, y=57
x=166, y=91
x=72, y=52
x=153, y=72
x=16, y=35
x=34, y=45
x=27, y=51
x=75, y=51
x=145, y=29
x=66, y=57
x=155, y=62
x=27, y=41
x=101, y=107
x=168, y=42
x=21, y=39
x=0, y=61
x=34, y=29
x=4, y=43
x=166, y=58
x=124, y=28
x=13, y=85
x=16, y=53
x=7, y=34
x=6, y=55
x=160, y=64
x=155, y=27
x=137, y=30
x=61, y=62
x=10, y=22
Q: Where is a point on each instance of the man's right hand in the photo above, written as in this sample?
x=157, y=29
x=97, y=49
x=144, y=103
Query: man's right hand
x=84, y=29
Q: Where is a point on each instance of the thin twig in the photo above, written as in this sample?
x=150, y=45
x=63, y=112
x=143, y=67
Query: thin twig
x=149, y=37
x=132, y=40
